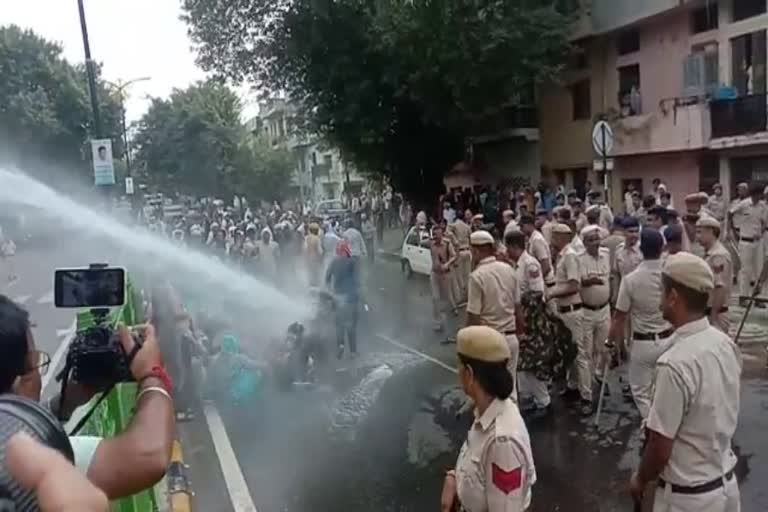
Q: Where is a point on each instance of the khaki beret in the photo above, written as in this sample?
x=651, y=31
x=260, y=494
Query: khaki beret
x=695, y=198
x=707, y=221
x=508, y=213
x=742, y=185
x=691, y=271
x=481, y=237
x=593, y=208
x=482, y=343
x=479, y=216
x=561, y=228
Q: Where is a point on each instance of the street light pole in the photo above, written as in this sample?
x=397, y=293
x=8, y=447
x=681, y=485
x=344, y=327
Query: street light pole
x=89, y=67
x=120, y=86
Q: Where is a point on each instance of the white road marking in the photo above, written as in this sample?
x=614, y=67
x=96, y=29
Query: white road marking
x=21, y=299
x=46, y=299
x=418, y=353
x=59, y=354
x=230, y=468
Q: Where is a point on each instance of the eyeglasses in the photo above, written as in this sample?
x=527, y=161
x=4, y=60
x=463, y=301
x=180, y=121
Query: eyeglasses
x=41, y=362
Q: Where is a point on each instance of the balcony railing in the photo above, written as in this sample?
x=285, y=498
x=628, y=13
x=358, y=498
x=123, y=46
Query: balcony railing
x=508, y=118
x=739, y=116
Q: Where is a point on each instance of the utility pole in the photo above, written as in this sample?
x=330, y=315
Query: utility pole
x=89, y=66
x=120, y=87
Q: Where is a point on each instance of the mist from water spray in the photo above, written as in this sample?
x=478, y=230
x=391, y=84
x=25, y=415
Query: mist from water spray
x=211, y=280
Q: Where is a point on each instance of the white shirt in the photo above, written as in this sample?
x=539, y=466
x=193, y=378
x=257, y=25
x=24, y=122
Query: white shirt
x=449, y=215
x=356, y=242
x=696, y=403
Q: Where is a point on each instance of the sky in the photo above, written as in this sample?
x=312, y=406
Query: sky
x=131, y=38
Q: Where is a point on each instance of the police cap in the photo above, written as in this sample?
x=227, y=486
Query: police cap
x=481, y=237
x=690, y=271
x=482, y=343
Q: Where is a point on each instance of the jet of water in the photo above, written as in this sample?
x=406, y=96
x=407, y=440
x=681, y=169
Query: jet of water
x=214, y=281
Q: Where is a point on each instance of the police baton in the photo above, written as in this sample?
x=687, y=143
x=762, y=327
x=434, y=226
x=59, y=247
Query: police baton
x=610, y=346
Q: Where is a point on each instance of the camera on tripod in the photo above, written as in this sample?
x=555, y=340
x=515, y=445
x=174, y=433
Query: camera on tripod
x=96, y=357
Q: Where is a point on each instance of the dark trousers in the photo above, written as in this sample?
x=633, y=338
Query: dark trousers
x=346, y=323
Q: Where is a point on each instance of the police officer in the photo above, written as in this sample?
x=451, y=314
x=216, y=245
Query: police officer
x=716, y=205
x=595, y=269
x=495, y=471
x=719, y=260
x=494, y=294
x=531, y=280
x=628, y=255
x=606, y=215
x=538, y=247
x=569, y=307
x=461, y=232
x=695, y=405
x=752, y=215
x=639, y=298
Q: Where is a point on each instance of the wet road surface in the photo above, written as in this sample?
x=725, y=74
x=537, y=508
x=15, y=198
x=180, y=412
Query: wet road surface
x=378, y=435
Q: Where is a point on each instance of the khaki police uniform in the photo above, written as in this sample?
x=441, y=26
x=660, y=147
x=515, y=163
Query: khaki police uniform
x=717, y=207
x=440, y=282
x=597, y=311
x=461, y=232
x=612, y=242
x=493, y=294
x=495, y=470
x=696, y=404
x=538, y=247
x=628, y=258
x=531, y=280
x=719, y=260
x=751, y=226
x=570, y=311
x=640, y=296
x=546, y=231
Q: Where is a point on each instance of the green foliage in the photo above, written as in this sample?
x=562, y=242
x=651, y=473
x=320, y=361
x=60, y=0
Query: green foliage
x=395, y=84
x=45, y=110
x=194, y=142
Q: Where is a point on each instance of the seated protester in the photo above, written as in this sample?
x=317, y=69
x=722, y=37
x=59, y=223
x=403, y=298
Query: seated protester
x=123, y=465
x=231, y=376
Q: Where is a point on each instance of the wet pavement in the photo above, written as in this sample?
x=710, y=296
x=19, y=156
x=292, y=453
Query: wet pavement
x=379, y=434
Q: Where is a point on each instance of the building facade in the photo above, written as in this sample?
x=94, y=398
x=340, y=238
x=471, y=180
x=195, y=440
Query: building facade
x=683, y=85
x=321, y=173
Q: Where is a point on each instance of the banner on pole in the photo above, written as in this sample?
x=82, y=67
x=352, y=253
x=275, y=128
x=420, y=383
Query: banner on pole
x=103, y=165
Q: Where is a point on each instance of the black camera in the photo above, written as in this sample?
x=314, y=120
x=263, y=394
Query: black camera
x=18, y=414
x=96, y=357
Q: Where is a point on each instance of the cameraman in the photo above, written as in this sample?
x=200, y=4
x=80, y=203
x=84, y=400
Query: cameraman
x=135, y=459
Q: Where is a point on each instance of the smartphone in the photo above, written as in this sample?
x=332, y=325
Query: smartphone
x=89, y=287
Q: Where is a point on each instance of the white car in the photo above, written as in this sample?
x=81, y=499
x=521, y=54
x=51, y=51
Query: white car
x=415, y=255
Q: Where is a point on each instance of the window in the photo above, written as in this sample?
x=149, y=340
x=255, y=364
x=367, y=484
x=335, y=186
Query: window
x=709, y=171
x=629, y=90
x=413, y=238
x=582, y=101
x=700, y=71
x=748, y=60
x=743, y=9
x=628, y=42
x=328, y=160
x=704, y=19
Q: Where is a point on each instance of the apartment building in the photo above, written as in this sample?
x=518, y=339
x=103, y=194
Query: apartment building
x=320, y=172
x=683, y=85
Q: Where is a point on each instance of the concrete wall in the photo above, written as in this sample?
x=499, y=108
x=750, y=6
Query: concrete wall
x=609, y=15
x=679, y=171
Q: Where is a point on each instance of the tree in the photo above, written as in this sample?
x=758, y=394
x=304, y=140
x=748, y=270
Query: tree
x=192, y=141
x=195, y=143
x=45, y=113
x=395, y=84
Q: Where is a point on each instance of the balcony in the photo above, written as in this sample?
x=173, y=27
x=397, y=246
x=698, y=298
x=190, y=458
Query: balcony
x=742, y=116
x=678, y=124
x=509, y=122
x=321, y=171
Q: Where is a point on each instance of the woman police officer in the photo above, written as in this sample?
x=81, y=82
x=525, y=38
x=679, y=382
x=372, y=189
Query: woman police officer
x=495, y=470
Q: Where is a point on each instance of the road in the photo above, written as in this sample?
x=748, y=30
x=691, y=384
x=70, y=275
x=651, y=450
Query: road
x=379, y=434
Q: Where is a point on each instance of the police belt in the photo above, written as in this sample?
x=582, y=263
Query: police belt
x=649, y=336
x=595, y=308
x=550, y=285
x=697, y=489
x=568, y=309
x=747, y=239
x=724, y=309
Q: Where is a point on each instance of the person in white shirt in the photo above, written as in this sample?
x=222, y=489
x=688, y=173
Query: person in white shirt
x=449, y=214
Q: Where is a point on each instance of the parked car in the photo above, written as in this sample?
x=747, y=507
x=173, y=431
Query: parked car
x=415, y=255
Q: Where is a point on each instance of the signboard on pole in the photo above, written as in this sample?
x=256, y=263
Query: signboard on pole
x=103, y=165
x=129, y=186
x=602, y=138
x=602, y=164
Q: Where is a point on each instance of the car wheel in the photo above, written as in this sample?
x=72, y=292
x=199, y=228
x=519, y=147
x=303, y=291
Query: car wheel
x=407, y=270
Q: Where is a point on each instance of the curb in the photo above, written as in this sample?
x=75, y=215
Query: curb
x=179, y=489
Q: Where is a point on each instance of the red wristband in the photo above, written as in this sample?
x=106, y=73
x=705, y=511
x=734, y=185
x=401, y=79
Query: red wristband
x=159, y=373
